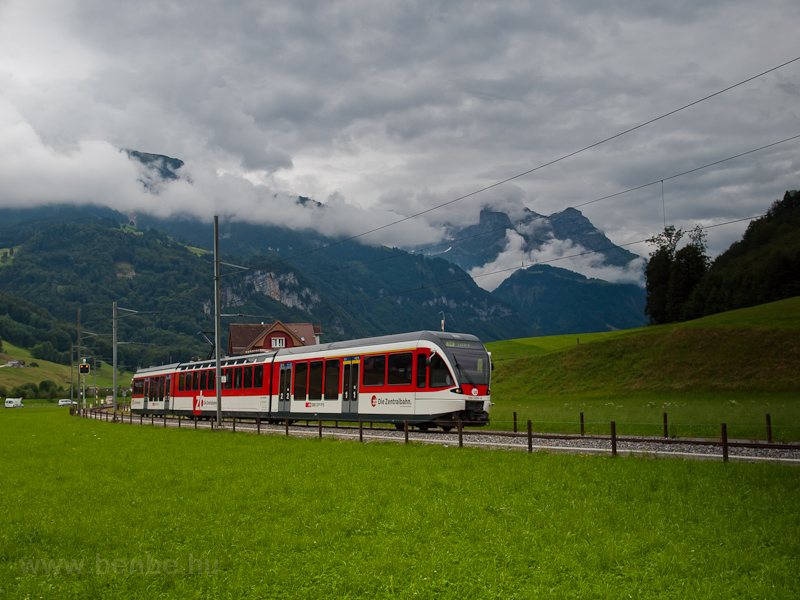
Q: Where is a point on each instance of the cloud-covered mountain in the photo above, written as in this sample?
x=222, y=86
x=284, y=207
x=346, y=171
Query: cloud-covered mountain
x=497, y=245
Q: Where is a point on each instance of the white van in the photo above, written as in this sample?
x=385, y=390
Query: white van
x=67, y=402
x=13, y=402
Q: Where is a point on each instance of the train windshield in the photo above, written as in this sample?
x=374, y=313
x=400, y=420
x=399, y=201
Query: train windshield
x=472, y=367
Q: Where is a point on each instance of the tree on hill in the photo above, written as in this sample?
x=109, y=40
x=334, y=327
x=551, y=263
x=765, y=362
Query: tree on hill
x=671, y=275
x=657, y=273
x=763, y=267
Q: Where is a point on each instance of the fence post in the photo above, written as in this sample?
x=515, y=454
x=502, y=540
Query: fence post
x=515, y=422
x=769, y=429
x=320, y=429
x=287, y=426
x=361, y=430
x=583, y=431
x=666, y=430
x=405, y=428
x=613, y=438
x=179, y=421
x=152, y=420
x=724, y=442
x=461, y=433
x=530, y=437
x=258, y=425
x=234, y=424
x=141, y=417
x=165, y=421
x=194, y=418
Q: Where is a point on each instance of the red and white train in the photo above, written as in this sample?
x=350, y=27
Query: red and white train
x=427, y=378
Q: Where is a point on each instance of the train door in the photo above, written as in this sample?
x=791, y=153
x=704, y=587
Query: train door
x=284, y=387
x=167, y=393
x=350, y=384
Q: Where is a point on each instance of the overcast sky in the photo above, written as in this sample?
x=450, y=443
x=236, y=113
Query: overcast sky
x=385, y=109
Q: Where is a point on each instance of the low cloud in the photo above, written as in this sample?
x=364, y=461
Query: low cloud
x=563, y=254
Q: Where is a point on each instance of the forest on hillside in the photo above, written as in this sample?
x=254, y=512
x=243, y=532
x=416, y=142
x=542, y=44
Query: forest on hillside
x=762, y=267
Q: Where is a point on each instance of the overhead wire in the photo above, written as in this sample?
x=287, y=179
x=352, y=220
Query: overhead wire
x=516, y=268
x=549, y=163
x=537, y=216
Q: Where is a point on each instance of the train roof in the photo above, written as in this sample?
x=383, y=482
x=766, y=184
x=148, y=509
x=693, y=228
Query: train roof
x=436, y=337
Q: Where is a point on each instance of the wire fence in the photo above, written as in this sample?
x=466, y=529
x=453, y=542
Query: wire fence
x=520, y=435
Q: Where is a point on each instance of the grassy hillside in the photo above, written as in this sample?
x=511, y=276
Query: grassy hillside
x=10, y=377
x=740, y=364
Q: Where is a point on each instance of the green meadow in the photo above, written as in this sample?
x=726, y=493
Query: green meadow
x=101, y=510
x=734, y=367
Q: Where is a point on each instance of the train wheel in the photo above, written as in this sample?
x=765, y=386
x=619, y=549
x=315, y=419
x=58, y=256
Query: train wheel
x=399, y=426
x=446, y=428
x=423, y=427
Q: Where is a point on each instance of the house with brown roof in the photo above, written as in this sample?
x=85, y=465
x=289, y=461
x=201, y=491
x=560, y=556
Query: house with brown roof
x=246, y=338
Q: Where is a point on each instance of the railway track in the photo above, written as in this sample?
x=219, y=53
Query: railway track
x=604, y=445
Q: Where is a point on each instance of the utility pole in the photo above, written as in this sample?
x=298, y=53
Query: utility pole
x=83, y=403
x=114, y=357
x=218, y=377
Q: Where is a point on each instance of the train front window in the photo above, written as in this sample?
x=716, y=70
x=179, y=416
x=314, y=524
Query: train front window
x=472, y=367
x=440, y=375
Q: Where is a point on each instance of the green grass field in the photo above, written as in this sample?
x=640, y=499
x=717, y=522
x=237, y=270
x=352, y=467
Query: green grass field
x=733, y=367
x=101, y=510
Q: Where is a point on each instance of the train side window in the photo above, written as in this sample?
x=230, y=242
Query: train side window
x=162, y=384
x=212, y=380
x=315, y=380
x=229, y=379
x=237, y=378
x=375, y=369
x=332, y=379
x=440, y=374
x=181, y=379
x=422, y=370
x=258, y=376
x=399, y=371
x=195, y=381
x=300, y=380
x=137, y=387
x=248, y=378
x=203, y=380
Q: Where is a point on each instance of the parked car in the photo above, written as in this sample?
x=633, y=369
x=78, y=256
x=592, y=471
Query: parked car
x=14, y=403
x=67, y=402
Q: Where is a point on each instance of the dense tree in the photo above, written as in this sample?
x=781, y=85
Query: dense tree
x=688, y=267
x=658, y=271
x=672, y=274
x=763, y=266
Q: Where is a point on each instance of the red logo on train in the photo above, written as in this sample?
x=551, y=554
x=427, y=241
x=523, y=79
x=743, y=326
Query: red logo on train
x=374, y=401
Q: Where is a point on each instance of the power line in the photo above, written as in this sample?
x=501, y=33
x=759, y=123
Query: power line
x=614, y=195
x=663, y=179
x=515, y=268
x=552, y=162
